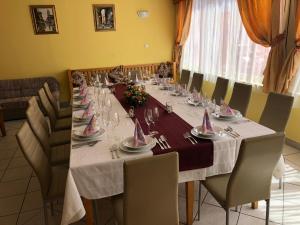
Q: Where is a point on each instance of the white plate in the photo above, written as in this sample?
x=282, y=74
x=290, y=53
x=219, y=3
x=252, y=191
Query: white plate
x=78, y=104
x=189, y=101
x=223, y=117
x=128, y=142
x=78, y=117
x=176, y=94
x=212, y=137
x=78, y=136
x=198, y=130
x=131, y=150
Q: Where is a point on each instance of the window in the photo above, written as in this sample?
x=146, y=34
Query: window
x=218, y=44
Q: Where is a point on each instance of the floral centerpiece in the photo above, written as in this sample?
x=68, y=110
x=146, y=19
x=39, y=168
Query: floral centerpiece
x=135, y=95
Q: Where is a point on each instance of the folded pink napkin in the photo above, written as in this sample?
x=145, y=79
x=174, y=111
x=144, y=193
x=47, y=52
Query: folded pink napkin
x=85, y=100
x=196, y=96
x=206, y=124
x=226, y=110
x=139, y=137
x=88, y=112
x=91, y=127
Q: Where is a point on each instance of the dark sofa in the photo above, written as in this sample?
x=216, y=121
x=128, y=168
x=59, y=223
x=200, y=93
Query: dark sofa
x=14, y=94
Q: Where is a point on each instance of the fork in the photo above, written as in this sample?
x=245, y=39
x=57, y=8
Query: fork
x=160, y=145
x=162, y=142
x=164, y=139
x=191, y=137
x=186, y=136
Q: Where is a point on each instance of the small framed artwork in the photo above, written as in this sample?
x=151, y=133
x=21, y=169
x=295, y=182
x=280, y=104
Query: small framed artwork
x=104, y=17
x=44, y=19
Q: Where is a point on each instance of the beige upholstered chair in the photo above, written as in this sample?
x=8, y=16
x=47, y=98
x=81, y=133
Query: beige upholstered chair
x=275, y=116
x=51, y=179
x=277, y=111
x=59, y=154
x=56, y=123
x=251, y=177
x=36, y=120
x=197, y=82
x=185, y=77
x=135, y=74
x=240, y=97
x=220, y=90
x=60, y=112
x=150, y=192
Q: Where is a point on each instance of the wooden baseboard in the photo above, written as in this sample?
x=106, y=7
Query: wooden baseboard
x=292, y=143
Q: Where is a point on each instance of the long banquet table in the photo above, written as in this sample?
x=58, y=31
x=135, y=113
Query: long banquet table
x=93, y=174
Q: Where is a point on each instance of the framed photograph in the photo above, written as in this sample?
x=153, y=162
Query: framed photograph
x=104, y=17
x=44, y=19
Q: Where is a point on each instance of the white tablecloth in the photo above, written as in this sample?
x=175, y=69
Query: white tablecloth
x=93, y=174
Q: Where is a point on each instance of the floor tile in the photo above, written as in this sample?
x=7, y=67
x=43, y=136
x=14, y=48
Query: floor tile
x=34, y=217
x=8, y=154
x=212, y=215
x=16, y=173
x=10, y=205
x=294, y=158
x=9, y=220
x=12, y=188
x=18, y=162
x=287, y=150
x=34, y=185
x=33, y=200
x=249, y=220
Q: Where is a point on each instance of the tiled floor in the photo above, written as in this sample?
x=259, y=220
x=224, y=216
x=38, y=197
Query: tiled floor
x=21, y=202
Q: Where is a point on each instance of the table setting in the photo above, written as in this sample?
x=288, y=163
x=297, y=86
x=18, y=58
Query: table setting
x=111, y=129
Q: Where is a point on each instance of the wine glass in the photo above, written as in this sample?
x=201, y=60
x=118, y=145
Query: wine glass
x=147, y=121
x=108, y=104
x=151, y=120
x=156, y=114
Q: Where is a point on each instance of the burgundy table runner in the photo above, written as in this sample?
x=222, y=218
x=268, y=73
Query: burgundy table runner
x=172, y=127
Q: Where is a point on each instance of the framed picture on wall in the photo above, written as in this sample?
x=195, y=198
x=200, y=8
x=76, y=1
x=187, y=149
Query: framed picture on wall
x=104, y=17
x=44, y=19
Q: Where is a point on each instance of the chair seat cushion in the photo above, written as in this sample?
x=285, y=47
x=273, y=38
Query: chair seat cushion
x=58, y=182
x=60, y=154
x=65, y=112
x=117, y=202
x=60, y=137
x=217, y=186
x=63, y=124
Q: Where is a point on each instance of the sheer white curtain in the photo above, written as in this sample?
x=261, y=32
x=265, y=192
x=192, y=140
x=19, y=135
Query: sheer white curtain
x=218, y=44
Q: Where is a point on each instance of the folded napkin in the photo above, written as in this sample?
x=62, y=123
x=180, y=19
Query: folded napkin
x=91, y=127
x=206, y=124
x=196, y=96
x=226, y=110
x=88, y=112
x=83, y=90
x=139, y=137
x=85, y=100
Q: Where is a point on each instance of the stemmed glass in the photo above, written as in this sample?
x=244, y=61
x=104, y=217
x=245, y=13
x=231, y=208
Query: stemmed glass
x=150, y=117
x=147, y=121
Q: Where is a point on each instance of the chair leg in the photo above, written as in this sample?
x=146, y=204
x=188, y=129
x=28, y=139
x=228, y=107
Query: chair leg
x=46, y=214
x=280, y=183
x=52, y=208
x=96, y=212
x=267, y=211
x=199, y=201
x=227, y=216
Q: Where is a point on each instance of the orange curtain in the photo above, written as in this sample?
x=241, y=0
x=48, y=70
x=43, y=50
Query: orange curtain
x=265, y=23
x=292, y=63
x=184, y=14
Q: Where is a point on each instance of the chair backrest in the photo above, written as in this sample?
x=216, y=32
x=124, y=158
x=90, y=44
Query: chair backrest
x=277, y=111
x=35, y=156
x=251, y=177
x=135, y=74
x=197, y=82
x=54, y=102
x=38, y=113
x=220, y=89
x=185, y=77
x=240, y=97
x=151, y=189
x=40, y=132
x=48, y=107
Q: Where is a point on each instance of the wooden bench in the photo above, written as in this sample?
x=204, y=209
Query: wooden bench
x=151, y=68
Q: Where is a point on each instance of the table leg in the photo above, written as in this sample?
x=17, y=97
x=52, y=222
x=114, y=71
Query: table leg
x=189, y=189
x=88, y=205
x=254, y=205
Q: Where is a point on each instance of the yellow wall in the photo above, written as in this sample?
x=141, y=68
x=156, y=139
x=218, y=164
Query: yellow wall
x=77, y=45
x=257, y=103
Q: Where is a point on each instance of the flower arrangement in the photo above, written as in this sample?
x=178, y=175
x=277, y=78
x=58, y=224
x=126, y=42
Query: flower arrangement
x=135, y=95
